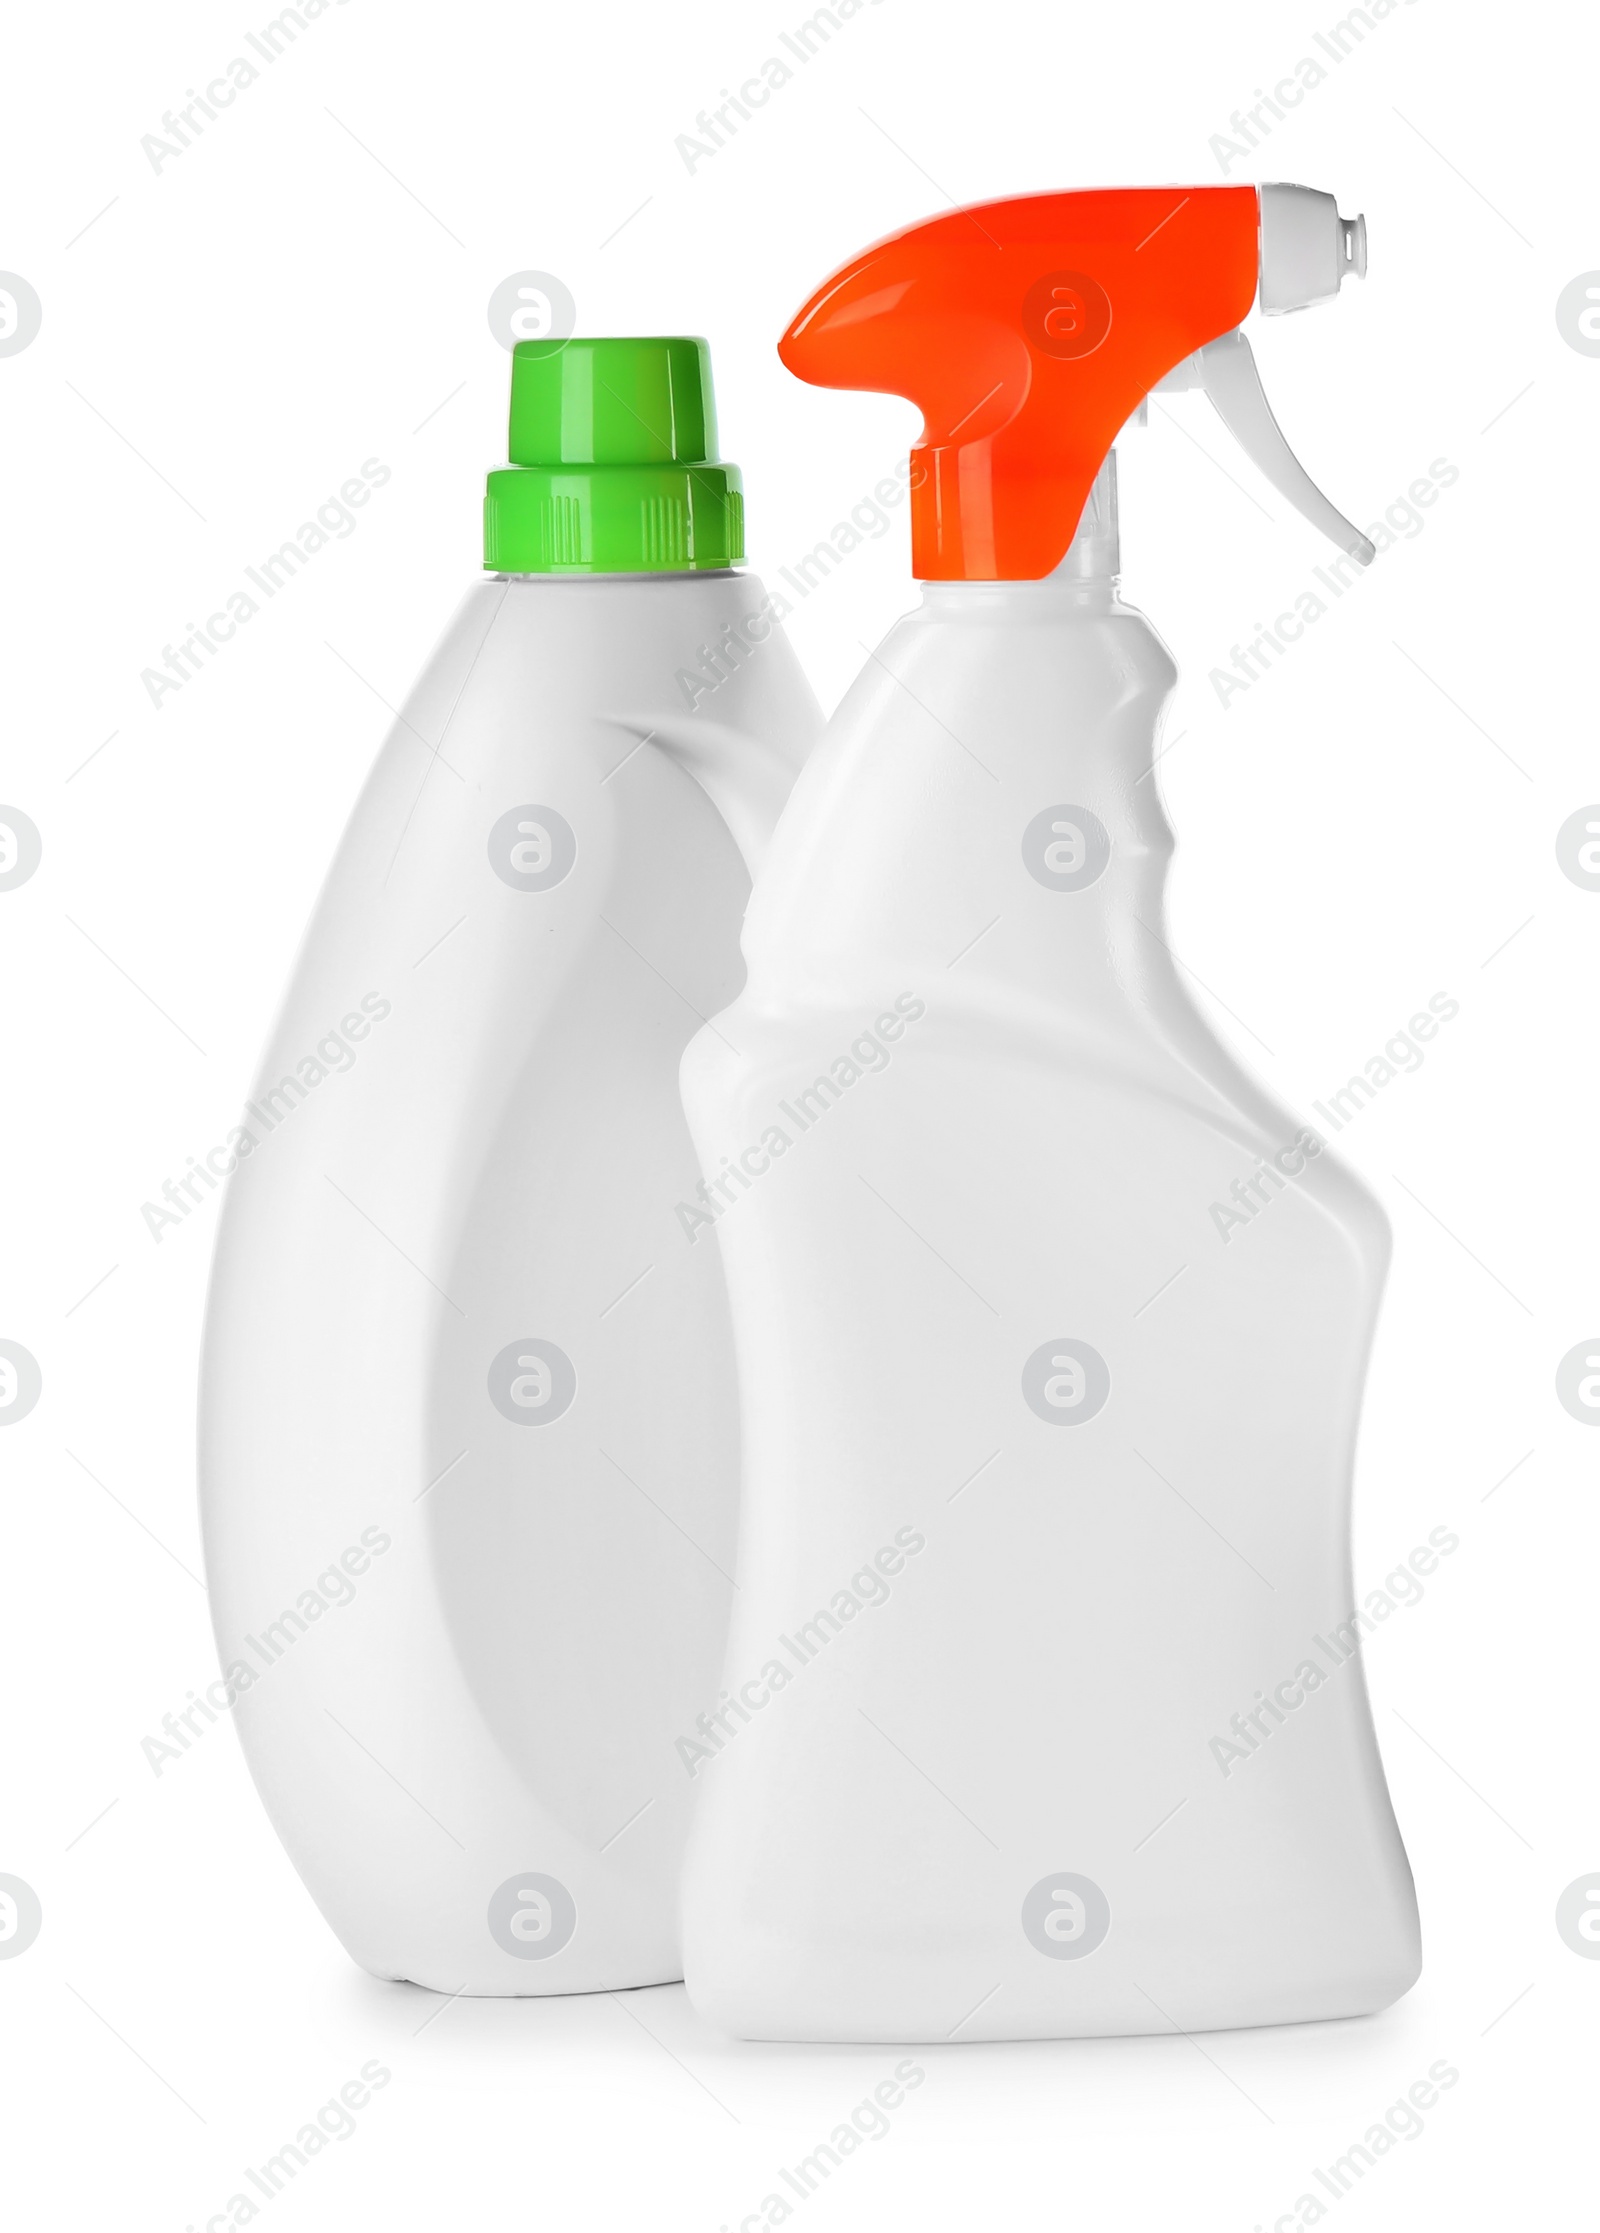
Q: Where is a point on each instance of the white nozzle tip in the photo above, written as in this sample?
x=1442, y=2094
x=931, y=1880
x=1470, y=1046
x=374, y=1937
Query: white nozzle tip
x=1355, y=245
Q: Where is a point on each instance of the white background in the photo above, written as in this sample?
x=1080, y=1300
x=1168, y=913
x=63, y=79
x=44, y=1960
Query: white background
x=1375, y=822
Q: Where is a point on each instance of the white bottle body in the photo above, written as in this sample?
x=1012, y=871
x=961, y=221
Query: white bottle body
x=1047, y=1469
x=503, y=1581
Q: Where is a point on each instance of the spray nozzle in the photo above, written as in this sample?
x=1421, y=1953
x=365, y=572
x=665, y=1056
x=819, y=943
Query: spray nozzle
x=1029, y=331
x=1306, y=247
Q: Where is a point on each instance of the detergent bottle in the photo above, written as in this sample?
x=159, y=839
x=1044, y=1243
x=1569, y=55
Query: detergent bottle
x=468, y=1434
x=1043, y=1713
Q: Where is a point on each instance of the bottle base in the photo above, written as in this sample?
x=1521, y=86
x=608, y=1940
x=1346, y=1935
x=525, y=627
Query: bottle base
x=934, y=2009
x=427, y=1979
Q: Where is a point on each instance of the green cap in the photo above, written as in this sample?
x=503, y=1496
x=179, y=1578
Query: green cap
x=613, y=463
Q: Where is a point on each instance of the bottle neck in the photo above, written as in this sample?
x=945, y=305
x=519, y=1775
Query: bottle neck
x=1095, y=552
x=1093, y=559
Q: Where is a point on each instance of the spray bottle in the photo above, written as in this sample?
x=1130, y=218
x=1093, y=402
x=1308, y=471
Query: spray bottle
x=468, y=1441
x=1044, y=1706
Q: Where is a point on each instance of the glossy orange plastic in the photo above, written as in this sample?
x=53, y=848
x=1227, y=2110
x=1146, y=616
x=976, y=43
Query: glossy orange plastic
x=1027, y=332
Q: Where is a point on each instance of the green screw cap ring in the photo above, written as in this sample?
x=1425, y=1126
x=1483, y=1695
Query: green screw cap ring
x=613, y=463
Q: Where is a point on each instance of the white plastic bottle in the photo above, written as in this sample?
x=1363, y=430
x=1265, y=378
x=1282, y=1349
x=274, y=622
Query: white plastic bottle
x=468, y=1439
x=1044, y=1713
